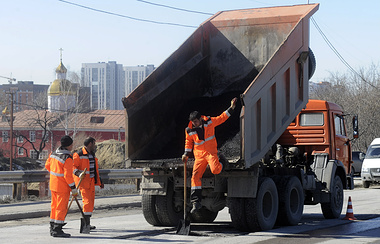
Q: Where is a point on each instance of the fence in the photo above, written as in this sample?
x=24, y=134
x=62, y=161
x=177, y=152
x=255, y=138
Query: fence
x=19, y=179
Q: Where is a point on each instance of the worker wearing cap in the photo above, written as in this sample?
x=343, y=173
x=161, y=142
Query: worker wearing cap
x=85, y=158
x=200, y=139
x=60, y=166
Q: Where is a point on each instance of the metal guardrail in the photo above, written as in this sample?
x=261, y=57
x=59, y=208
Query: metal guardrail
x=28, y=176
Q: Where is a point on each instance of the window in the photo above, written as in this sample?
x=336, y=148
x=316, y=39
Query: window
x=32, y=136
x=5, y=136
x=95, y=74
x=373, y=151
x=20, y=151
x=20, y=139
x=46, y=137
x=44, y=154
x=97, y=120
x=311, y=119
x=33, y=154
x=339, y=125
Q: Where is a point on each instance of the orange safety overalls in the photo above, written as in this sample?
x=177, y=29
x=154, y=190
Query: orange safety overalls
x=60, y=166
x=202, y=142
x=87, y=186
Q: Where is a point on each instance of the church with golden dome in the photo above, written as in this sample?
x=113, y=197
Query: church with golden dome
x=62, y=94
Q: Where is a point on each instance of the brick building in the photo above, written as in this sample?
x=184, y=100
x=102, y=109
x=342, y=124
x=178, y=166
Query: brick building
x=41, y=130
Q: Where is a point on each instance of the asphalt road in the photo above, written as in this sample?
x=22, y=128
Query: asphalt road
x=124, y=223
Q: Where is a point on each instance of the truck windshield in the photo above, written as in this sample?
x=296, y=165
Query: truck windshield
x=373, y=151
x=311, y=119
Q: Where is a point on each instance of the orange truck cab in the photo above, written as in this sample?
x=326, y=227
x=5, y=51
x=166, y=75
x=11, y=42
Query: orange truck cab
x=319, y=132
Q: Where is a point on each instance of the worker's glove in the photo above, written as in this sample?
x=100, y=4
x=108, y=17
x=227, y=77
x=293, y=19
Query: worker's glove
x=74, y=192
x=185, y=158
x=233, y=103
x=82, y=175
x=101, y=183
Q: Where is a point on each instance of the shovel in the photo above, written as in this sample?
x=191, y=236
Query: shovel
x=184, y=224
x=72, y=198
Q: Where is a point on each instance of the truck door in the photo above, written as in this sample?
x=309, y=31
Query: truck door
x=342, y=145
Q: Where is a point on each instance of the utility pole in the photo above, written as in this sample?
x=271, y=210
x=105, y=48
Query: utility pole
x=11, y=93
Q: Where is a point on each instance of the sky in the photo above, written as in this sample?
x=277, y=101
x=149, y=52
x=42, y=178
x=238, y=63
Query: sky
x=32, y=32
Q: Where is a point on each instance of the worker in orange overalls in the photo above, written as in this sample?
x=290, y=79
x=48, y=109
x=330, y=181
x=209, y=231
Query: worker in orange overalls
x=85, y=158
x=60, y=166
x=200, y=139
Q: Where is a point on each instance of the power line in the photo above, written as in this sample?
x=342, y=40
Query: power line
x=180, y=9
x=128, y=17
x=331, y=46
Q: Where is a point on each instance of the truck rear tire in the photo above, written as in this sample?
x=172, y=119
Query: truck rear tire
x=266, y=206
x=167, y=214
x=255, y=214
x=236, y=208
x=291, y=201
x=148, y=203
x=333, y=209
x=203, y=215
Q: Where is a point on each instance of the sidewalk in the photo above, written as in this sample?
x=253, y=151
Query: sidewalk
x=24, y=210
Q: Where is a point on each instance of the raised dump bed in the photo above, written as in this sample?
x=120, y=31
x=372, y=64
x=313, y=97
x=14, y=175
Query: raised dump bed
x=260, y=53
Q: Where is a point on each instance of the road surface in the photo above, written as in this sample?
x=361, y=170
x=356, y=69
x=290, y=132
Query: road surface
x=127, y=225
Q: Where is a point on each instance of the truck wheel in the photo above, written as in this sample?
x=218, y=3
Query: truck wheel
x=203, y=215
x=291, y=201
x=261, y=213
x=366, y=184
x=333, y=209
x=148, y=203
x=236, y=208
x=312, y=63
x=167, y=214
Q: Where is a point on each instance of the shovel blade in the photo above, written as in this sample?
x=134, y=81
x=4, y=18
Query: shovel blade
x=183, y=227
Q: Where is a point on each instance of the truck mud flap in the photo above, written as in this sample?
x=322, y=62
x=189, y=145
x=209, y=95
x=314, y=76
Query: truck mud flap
x=154, y=185
x=243, y=183
x=325, y=170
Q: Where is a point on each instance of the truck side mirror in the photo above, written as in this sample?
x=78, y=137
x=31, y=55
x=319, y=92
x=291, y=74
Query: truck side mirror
x=361, y=156
x=355, y=126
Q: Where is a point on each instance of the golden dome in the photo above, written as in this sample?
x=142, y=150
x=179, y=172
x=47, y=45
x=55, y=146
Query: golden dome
x=62, y=87
x=61, y=68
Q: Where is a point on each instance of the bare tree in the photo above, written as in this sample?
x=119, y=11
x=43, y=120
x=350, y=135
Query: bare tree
x=357, y=95
x=40, y=121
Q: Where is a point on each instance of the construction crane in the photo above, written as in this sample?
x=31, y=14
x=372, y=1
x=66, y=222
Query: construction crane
x=9, y=79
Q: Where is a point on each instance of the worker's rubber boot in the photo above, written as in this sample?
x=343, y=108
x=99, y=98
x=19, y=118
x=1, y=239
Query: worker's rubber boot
x=195, y=198
x=51, y=228
x=88, y=217
x=84, y=227
x=224, y=161
x=196, y=206
x=58, y=232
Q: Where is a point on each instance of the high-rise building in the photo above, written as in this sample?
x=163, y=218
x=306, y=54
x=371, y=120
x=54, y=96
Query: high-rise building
x=25, y=94
x=106, y=82
x=134, y=75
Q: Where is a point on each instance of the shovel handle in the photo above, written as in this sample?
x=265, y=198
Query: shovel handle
x=72, y=198
x=80, y=208
x=184, y=187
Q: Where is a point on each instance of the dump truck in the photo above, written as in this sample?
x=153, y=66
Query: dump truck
x=283, y=151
